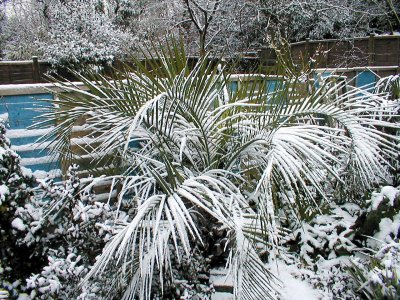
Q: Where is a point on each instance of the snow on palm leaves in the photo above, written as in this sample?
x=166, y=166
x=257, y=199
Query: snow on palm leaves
x=206, y=152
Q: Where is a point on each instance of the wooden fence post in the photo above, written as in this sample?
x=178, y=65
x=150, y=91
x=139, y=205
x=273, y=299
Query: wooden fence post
x=371, y=50
x=398, y=51
x=10, y=79
x=307, y=49
x=35, y=69
x=326, y=54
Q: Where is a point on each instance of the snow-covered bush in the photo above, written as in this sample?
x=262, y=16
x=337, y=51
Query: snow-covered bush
x=69, y=227
x=327, y=236
x=380, y=220
x=329, y=19
x=22, y=30
x=190, y=278
x=351, y=252
x=61, y=277
x=47, y=221
x=15, y=190
x=321, y=249
x=65, y=32
x=79, y=33
x=378, y=276
x=48, y=282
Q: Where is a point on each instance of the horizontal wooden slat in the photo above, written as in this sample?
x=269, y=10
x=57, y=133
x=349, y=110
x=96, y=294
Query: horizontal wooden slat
x=22, y=73
x=22, y=81
x=16, y=69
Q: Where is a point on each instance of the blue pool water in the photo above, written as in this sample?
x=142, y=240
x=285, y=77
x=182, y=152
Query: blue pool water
x=366, y=79
x=22, y=112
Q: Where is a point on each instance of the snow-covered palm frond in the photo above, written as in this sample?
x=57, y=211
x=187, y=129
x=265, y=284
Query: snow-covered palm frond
x=251, y=278
x=143, y=243
x=202, y=151
x=390, y=85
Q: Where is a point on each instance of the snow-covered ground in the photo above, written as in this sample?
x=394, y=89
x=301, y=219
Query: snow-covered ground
x=292, y=288
x=222, y=296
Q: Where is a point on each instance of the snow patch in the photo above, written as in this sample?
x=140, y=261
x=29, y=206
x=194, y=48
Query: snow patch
x=387, y=191
x=3, y=192
x=391, y=193
x=293, y=288
x=221, y=296
x=18, y=224
x=4, y=117
x=39, y=174
x=3, y=294
x=24, y=296
x=26, y=172
x=20, y=133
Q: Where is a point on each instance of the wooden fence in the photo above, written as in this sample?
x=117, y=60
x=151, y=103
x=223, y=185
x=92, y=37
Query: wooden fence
x=348, y=53
x=22, y=72
x=35, y=71
x=356, y=52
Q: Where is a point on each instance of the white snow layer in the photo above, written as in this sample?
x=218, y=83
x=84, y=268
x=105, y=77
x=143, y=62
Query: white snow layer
x=55, y=173
x=19, y=133
x=293, y=288
x=18, y=224
x=389, y=192
x=4, y=117
x=24, y=296
x=221, y=296
x=3, y=192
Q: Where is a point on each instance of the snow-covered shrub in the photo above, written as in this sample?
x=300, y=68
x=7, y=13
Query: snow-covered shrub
x=190, y=278
x=380, y=219
x=60, y=277
x=22, y=30
x=327, y=236
x=329, y=277
x=326, y=250
x=65, y=32
x=69, y=227
x=79, y=33
x=15, y=190
x=321, y=249
x=378, y=276
x=326, y=19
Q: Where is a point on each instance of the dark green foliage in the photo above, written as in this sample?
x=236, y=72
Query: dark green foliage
x=190, y=277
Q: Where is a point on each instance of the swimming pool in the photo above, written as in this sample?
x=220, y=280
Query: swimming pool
x=21, y=112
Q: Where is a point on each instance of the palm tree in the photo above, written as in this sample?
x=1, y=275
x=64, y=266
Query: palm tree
x=191, y=151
